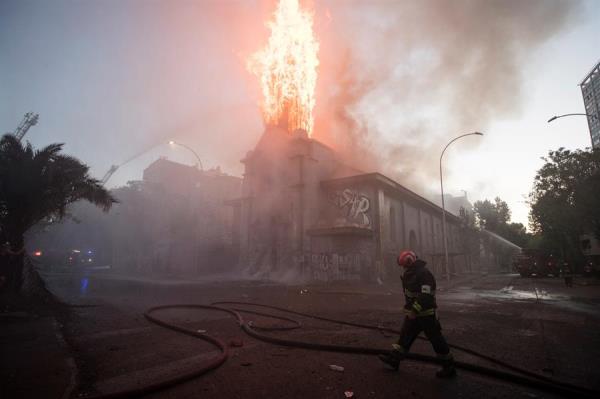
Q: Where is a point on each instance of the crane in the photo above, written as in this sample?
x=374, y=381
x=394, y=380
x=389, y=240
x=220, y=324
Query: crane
x=109, y=173
x=30, y=119
x=113, y=168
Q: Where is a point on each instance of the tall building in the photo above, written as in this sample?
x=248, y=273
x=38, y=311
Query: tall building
x=590, y=89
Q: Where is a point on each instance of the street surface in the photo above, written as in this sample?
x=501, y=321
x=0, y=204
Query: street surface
x=537, y=324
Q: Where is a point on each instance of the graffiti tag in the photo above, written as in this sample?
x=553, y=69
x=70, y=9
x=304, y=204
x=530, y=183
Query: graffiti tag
x=355, y=204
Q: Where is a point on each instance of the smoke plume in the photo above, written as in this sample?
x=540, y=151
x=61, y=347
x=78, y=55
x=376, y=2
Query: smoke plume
x=399, y=79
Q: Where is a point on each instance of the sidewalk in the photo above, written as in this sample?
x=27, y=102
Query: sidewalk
x=458, y=280
x=35, y=361
x=387, y=288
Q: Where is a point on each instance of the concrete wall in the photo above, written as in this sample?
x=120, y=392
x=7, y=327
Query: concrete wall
x=340, y=258
x=351, y=205
x=418, y=228
x=343, y=244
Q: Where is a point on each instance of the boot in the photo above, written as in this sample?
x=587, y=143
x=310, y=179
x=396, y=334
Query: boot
x=391, y=360
x=448, y=370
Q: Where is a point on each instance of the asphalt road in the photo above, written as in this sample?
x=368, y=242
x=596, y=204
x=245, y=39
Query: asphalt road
x=536, y=324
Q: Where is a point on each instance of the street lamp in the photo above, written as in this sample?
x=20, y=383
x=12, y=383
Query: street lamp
x=561, y=116
x=444, y=237
x=191, y=149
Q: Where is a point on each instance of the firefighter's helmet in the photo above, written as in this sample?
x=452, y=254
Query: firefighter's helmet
x=406, y=258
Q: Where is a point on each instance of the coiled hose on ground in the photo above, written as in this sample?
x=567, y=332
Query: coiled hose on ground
x=527, y=378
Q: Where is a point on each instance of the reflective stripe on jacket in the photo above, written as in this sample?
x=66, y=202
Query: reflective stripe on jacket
x=419, y=290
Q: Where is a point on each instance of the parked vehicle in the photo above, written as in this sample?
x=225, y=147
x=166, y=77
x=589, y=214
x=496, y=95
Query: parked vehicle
x=76, y=257
x=590, y=269
x=590, y=246
x=533, y=262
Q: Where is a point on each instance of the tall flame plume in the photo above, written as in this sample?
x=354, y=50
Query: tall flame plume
x=287, y=68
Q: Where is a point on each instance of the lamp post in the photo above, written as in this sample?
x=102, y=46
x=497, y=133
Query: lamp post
x=444, y=236
x=195, y=215
x=576, y=114
x=191, y=149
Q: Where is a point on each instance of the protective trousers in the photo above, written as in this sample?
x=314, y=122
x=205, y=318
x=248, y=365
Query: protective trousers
x=430, y=325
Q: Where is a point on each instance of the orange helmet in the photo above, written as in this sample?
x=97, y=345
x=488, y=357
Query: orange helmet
x=406, y=258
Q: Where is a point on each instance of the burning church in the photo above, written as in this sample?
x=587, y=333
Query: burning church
x=303, y=212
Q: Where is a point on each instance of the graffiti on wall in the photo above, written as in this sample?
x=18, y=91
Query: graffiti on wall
x=334, y=266
x=356, y=206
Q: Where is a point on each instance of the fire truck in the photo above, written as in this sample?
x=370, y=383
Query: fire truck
x=590, y=247
x=533, y=262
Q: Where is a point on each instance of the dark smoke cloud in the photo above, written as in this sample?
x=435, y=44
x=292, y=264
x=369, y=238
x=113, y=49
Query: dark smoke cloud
x=398, y=79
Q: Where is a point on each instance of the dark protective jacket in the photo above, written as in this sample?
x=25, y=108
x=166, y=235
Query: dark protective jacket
x=419, y=289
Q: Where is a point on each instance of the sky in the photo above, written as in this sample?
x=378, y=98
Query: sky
x=510, y=153
x=113, y=79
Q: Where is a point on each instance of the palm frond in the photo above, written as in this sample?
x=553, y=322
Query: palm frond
x=49, y=151
x=35, y=184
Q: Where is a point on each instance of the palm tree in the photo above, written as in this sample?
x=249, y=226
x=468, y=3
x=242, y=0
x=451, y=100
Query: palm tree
x=37, y=185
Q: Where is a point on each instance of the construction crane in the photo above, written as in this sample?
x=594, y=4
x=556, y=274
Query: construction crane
x=109, y=173
x=30, y=119
x=114, y=168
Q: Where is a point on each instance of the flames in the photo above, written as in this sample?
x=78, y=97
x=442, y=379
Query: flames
x=287, y=68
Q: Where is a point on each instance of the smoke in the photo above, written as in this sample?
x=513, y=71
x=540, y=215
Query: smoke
x=399, y=79
x=396, y=79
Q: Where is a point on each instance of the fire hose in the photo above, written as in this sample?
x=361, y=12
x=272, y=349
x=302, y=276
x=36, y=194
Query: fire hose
x=527, y=378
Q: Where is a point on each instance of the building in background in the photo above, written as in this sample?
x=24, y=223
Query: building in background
x=173, y=222
x=590, y=89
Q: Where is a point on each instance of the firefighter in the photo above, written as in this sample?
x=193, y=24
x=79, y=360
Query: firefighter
x=420, y=309
x=567, y=274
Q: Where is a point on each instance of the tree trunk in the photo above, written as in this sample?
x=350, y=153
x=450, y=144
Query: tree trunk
x=15, y=260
